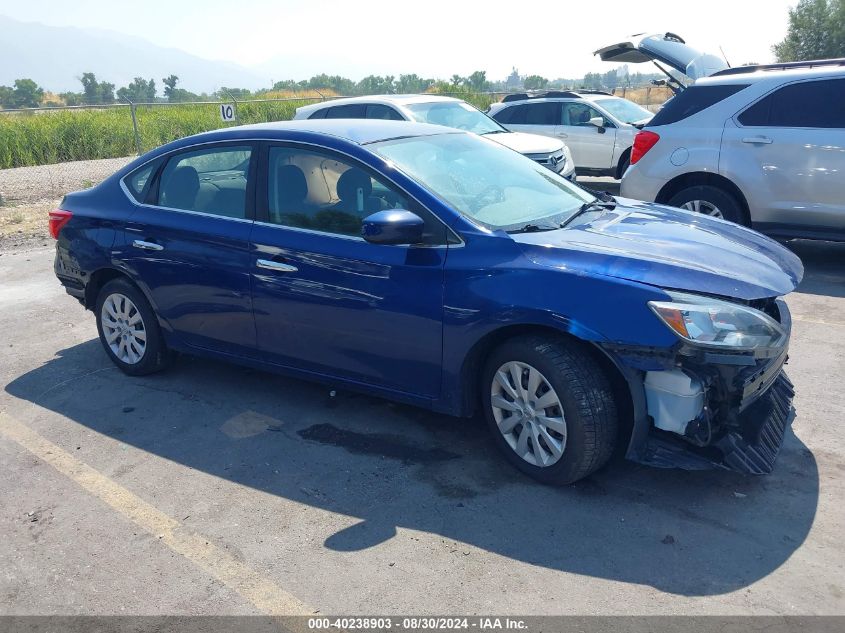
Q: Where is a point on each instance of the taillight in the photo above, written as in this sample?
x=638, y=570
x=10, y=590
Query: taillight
x=58, y=219
x=643, y=142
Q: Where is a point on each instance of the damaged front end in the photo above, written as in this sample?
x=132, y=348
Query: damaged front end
x=720, y=398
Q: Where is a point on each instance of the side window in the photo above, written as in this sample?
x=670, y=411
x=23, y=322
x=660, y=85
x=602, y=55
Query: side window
x=348, y=111
x=813, y=104
x=319, y=114
x=547, y=113
x=138, y=182
x=580, y=114
x=381, y=111
x=210, y=181
x=513, y=114
x=312, y=190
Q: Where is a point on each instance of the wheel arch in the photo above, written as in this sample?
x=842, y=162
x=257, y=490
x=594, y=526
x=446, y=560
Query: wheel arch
x=626, y=156
x=100, y=278
x=623, y=386
x=700, y=178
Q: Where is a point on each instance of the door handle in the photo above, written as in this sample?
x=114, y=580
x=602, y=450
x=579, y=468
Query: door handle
x=757, y=140
x=562, y=135
x=147, y=246
x=279, y=267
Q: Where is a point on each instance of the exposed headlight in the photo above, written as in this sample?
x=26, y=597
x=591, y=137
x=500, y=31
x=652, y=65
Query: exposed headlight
x=714, y=323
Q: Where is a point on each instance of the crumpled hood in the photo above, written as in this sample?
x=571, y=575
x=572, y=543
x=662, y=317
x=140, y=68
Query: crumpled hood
x=527, y=143
x=669, y=248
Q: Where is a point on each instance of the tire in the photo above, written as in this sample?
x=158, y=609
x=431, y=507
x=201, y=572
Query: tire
x=585, y=403
x=121, y=307
x=726, y=204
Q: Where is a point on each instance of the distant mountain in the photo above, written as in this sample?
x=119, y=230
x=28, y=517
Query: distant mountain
x=54, y=57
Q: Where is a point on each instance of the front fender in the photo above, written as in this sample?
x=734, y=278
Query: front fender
x=480, y=300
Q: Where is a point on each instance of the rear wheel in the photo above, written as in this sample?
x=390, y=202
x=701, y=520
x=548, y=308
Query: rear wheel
x=710, y=200
x=129, y=329
x=550, y=408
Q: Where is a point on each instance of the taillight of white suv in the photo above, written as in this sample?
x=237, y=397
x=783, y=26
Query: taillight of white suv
x=643, y=142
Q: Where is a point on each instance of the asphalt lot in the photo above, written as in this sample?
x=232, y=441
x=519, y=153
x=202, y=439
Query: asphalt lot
x=214, y=489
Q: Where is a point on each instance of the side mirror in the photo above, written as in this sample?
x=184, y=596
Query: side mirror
x=394, y=226
x=598, y=121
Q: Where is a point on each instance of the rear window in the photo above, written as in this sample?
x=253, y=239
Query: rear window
x=692, y=101
x=138, y=182
x=813, y=104
x=319, y=114
x=349, y=111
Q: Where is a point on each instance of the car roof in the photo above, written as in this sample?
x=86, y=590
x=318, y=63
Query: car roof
x=775, y=74
x=384, y=99
x=558, y=95
x=359, y=131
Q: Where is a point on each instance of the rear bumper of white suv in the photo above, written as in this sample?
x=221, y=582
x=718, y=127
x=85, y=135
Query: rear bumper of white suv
x=637, y=186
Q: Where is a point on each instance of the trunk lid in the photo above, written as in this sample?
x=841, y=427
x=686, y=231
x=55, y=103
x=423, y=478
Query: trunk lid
x=666, y=48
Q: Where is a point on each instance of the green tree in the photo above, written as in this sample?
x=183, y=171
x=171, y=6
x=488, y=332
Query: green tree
x=25, y=94
x=535, y=82
x=477, y=81
x=139, y=91
x=96, y=92
x=407, y=84
x=457, y=80
x=6, y=96
x=170, y=85
x=375, y=85
x=816, y=31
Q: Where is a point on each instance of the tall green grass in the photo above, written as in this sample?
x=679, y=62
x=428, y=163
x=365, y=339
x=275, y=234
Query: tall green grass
x=46, y=137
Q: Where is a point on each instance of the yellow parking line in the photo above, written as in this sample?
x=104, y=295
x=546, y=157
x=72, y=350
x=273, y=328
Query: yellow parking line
x=262, y=593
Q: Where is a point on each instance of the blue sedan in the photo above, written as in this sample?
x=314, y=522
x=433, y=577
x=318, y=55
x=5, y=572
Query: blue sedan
x=438, y=268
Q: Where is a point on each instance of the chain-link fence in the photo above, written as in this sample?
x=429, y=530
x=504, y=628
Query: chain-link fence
x=41, y=136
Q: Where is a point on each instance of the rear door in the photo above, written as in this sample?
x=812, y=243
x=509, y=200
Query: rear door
x=329, y=302
x=786, y=152
x=540, y=117
x=187, y=245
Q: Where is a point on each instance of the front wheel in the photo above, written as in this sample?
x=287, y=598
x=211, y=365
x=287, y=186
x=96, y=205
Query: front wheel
x=129, y=329
x=550, y=408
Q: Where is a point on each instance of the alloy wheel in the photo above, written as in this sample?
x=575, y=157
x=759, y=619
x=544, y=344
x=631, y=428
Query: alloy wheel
x=703, y=206
x=123, y=328
x=528, y=413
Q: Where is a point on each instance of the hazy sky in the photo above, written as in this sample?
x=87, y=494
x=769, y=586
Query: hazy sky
x=432, y=38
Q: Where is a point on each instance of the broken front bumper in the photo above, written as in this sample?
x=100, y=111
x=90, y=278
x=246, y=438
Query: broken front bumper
x=751, y=447
x=748, y=407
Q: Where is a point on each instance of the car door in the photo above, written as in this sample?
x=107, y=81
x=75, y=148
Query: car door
x=187, y=246
x=591, y=146
x=540, y=117
x=327, y=301
x=786, y=152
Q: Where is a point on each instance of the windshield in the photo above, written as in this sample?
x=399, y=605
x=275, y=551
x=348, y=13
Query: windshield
x=624, y=110
x=454, y=114
x=491, y=184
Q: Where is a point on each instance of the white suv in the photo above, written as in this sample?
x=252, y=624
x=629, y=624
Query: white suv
x=763, y=146
x=449, y=112
x=598, y=127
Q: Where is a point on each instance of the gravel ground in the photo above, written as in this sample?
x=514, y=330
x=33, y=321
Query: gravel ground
x=50, y=182
x=27, y=194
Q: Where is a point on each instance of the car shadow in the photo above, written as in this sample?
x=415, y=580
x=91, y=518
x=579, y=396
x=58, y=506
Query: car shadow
x=395, y=466
x=824, y=267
